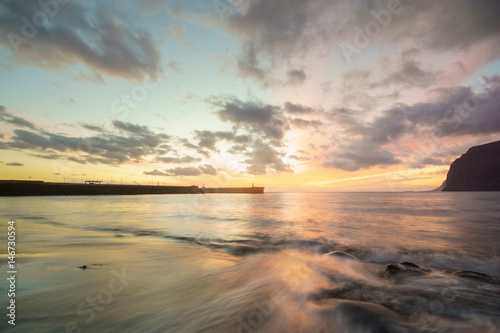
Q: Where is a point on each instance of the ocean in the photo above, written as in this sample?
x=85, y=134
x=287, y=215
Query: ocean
x=272, y=262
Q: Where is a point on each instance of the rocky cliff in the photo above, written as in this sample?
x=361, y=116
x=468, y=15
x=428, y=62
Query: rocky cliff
x=476, y=170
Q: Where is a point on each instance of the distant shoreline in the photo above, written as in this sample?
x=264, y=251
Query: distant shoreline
x=41, y=188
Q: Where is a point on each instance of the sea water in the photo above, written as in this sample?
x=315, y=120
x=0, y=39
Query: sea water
x=272, y=262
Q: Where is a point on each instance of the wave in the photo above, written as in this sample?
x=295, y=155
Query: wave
x=251, y=244
x=294, y=291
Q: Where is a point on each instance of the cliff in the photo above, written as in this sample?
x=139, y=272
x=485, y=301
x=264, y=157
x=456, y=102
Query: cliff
x=476, y=170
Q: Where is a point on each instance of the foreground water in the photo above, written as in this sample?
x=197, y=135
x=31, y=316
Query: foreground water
x=315, y=262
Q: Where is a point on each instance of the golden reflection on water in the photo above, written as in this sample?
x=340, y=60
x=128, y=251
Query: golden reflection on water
x=186, y=279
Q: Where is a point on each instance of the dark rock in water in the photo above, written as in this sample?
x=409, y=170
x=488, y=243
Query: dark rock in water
x=409, y=264
x=353, y=316
x=473, y=275
x=392, y=268
x=476, y=170
x=340, y=254
x=83, y=267
x=396, y=272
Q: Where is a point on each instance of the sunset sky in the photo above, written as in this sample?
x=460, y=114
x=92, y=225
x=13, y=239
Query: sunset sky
x=294, y=95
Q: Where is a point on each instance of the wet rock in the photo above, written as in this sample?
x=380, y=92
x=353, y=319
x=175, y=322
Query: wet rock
x=340, y=254
x=353, y=316
x=397, y=272
x=473, y=275
x=409, y=264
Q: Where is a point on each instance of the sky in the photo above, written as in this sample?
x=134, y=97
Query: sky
x=293, y=95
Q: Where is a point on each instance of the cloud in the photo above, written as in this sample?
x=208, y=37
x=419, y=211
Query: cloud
x=16, y=164
x=209, y=139
x=93, y=77
x=455, y=111
x=132, y=128
x=108, y=147
x=179, y=160
x=409, y=75
x=262, y=145
x=47, y=156
x=453, y=24
x=422, y=163
x=98, y=36
x=155, y=172
x=360, y=155
x=175, y=66
x=299, y=158
x=208, y=169
x=276, y=34
x=249, y=66
x=14, y=120
x=255, y=117
x=180, y=12
x=152, y=7
x=296, y=76
x=190, y=171
x=262, y=157
x=304, y=123
x=298, y=108
x=183, y=171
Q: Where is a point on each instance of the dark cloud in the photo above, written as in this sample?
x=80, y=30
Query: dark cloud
x=455, y=111
x=208, y=169
x=47, y=156
x=452, y=24
x=304, y=123
x=255, y=117
x=275, y=33
x=9, y=118
x=299, y=158
x=16, y=164
x=99, y=36
x=422, y=163
x=93, y=127
x=132, y=128
x=183, y=171
x=296, y=76
x=155, y=172
x=209, y=139
x=298, y=108
x=409, y=75
x=360, y=155
x=179, y=160
x=262, y=157
x=107, y=148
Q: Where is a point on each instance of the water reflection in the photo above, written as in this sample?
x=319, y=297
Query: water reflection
x=215, y=263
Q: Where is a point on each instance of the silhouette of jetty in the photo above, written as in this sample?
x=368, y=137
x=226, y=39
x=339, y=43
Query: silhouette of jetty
x=38, y=188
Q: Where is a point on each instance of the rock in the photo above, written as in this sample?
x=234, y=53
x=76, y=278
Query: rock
x=473, y=275
x=409, y=264
x=340, y=254
x=353, y=316
x=83, y=267
x=476, y=170
x=397, y=272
